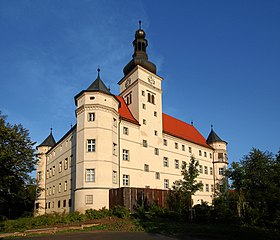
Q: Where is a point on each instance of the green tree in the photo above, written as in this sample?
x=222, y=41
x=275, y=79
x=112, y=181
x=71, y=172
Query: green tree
x=17, y=161
x=256, y=181
x=179, y=198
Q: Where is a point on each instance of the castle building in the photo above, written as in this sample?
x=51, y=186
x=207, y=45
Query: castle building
x=124, y=140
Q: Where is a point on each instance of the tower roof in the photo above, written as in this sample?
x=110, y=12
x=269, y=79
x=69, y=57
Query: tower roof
x=213, y=137
x=98, y=84
x=140, y=56
x=49, y=141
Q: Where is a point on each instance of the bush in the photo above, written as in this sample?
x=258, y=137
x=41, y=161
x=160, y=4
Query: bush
x=97, y=214
x=121, y=212
x=202, y=212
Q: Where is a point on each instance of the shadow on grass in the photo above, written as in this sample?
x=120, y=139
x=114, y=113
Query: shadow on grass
x=180, y=228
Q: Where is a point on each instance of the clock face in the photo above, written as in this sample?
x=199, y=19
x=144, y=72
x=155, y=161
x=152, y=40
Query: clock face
x=151, y=80
x=127, y=82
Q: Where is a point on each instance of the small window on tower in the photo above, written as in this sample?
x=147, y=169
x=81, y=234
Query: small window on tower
x=91, y=117
x=128, y=99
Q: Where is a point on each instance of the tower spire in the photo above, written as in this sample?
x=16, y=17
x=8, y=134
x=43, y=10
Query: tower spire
x=140, y=56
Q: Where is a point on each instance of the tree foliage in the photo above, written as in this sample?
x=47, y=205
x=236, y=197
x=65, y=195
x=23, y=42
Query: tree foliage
x=17, y=161
x=179, y=198
x=255, y=180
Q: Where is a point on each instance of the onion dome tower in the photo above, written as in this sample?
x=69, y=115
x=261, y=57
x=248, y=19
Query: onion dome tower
x=140, y=56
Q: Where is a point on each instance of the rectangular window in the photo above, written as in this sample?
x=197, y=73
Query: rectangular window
x=39, y=176
x=125, y=180
x=115, y=149
x=164, y=142
x=201, y=190
x=59, y=187
x=114, y=122
x=176, y=145
x=60, y=167
x=91, y=145
x=53, y=190
x=114, y=177
x=64, y=203
x=212, y=188
x=48, y=174
x=53, y=170
x=190, y=150
x=128, y=99
x=146, y=167
x=156, y=133
x=90, y=175
x=205, y=170
x=91, y=117
x=156, y=151
x=65, y=186
x=165, y=161
x=143, y=93
x=151, y=98
x=89, y=199
x=58, y=204
x=125, y=154
x=125, y=130
x=221, y=171
x=66, y=163
x=166, y=183
x=207, y=187
x=210, y=155
x=157, y=175
x=200, y=169
x=50, y=191
x=211, y=171
x=205, y=154
x=183, y=147
x=155, y=114
x=184, y=164
x=200, y=153
x=145, y=143
x=144, y=106
x=144, y=121
x=220, y=157
x=176, y=164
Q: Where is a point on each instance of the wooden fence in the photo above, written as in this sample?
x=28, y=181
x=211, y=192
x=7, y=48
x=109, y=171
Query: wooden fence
x=132, y=197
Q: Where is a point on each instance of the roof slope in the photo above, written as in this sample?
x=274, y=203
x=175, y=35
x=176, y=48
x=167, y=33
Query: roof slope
x=213, y=137
x=125, y=112
x=98, y=85
x=48, y=142
x=180, y=129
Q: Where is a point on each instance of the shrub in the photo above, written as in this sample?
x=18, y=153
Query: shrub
x=97, y=214
x=120, y=212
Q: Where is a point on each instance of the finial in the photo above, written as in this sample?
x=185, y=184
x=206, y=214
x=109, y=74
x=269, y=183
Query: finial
x=109, y=88
x=51, y=130
x=211, y=126
x=71, y=125
x=140, y=24
x=192, y=123
x=98, y=70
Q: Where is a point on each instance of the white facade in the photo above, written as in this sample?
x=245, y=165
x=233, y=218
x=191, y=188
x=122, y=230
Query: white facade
x=121, y=141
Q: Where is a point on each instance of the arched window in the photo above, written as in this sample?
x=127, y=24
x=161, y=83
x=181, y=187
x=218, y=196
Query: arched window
x=149, y=97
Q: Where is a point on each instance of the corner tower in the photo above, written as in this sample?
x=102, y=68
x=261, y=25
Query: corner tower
x=96, y=145
x=42, y=149
x=220, y=159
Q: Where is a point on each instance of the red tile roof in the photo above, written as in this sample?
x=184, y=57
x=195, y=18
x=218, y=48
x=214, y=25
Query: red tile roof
x=180, y=129
x=125, y=112
x=171, y=125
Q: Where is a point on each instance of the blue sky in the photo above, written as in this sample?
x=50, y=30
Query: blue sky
x=220, y=61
